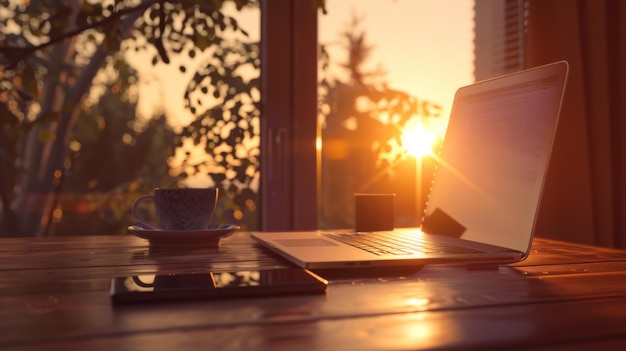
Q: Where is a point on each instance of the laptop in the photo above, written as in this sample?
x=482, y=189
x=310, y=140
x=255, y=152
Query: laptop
x=486, y=191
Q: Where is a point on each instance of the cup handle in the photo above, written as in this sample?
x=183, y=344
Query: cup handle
x=135, y=211
x=140, y=283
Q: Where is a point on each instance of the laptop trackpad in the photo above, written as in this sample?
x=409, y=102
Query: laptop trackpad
x=304, y=242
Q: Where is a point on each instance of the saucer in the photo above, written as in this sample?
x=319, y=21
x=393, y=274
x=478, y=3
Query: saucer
x=206, y=237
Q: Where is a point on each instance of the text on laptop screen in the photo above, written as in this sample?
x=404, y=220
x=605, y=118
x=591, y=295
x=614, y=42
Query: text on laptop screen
x=493, y=160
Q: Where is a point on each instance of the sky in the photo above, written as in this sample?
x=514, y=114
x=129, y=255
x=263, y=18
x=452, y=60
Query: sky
x=162, y=86
x=426, y=47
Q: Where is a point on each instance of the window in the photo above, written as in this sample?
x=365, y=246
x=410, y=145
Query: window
x=388, y=73
x=256, y=134
x=86, y=129
x=500, y=29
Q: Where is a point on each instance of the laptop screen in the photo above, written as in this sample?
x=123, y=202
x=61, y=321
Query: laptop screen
x=493, y=161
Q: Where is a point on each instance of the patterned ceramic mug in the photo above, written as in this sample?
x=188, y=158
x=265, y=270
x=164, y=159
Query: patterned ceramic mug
x=179, y=208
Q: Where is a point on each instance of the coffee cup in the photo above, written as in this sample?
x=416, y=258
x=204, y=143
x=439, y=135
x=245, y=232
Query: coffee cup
x=179, y=208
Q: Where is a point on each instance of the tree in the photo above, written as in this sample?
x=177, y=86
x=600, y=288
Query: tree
x=50, y=53
x=363, y=124
x=114, y=157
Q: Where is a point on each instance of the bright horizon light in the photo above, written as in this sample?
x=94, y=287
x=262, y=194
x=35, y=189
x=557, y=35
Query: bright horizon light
x=419, y=140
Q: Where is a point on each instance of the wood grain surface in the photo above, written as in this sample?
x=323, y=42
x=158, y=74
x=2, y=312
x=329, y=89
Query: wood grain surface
x=54, y=295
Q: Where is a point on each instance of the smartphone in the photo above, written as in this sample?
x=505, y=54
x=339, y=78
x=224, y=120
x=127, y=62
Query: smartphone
x=264, y=282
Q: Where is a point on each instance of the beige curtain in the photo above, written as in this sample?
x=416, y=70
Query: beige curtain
x=585, y=196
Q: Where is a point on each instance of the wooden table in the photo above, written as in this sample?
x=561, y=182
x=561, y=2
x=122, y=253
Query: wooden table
x=54, y=295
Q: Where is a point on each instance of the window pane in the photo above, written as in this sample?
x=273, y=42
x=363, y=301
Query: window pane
x=101, y=119
x=388, y=72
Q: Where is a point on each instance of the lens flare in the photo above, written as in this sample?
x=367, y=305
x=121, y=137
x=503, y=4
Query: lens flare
x=418, y=140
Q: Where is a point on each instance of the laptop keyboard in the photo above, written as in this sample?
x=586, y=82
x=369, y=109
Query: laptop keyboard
x=385, y=243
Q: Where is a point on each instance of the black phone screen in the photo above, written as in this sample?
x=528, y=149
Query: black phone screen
x=269, y=282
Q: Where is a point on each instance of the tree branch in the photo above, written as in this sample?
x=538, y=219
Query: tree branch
x=17, y=53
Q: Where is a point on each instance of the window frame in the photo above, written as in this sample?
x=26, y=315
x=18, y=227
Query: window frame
x=289, y=128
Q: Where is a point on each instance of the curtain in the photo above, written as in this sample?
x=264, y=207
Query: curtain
x=585, y=193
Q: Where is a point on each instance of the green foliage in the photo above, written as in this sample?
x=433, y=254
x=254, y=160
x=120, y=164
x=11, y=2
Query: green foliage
x=363, y=122
x=115, y=162
x=49, y=52
x=229, y=129
x=114, y=148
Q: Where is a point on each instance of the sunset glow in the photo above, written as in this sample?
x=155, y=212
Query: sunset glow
x=419, y=140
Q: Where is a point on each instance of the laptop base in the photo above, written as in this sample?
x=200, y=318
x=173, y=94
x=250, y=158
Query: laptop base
x=366, y=272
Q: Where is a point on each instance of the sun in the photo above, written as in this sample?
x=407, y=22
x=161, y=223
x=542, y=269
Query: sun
x=418, y=140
